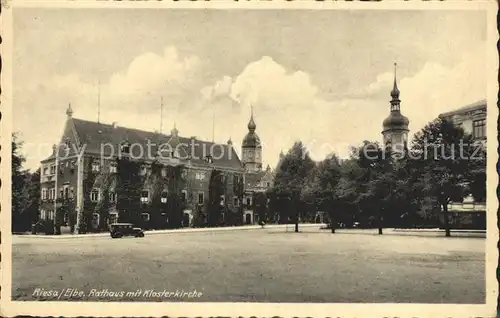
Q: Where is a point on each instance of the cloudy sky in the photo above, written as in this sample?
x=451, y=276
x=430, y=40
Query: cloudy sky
x=322, y=77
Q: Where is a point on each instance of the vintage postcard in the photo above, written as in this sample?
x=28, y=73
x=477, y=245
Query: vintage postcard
x=290, y=158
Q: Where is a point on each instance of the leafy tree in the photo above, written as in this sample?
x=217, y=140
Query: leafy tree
x=104, y=205
x=31, y=208
x=260, y=205
x=291, y=178
x=444, y=164
x=85, y=214
x=238, y=190
x=175, y=205
x=18, y=182
x=327, y=178
x=129, y=186
x=348, y=189
x=215, y=191
x=25, y=190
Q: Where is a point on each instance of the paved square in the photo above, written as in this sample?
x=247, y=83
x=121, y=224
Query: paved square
x=264, y=265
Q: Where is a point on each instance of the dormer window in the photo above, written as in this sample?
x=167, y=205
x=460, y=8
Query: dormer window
x=125, y=148
x=67, y=142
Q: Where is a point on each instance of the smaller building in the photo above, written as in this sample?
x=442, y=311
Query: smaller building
x=472, y=119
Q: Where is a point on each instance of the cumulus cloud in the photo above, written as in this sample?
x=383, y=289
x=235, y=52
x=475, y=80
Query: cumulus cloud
x=287, y=105
x=151, y=73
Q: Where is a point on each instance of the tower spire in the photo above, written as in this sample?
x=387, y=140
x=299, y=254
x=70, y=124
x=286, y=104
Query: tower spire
x=395, y=90
x=175, y=131
x=251, y=123
x=69, y=111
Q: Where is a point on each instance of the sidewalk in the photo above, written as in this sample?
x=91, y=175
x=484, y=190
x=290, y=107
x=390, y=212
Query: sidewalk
x=439, y=230
x=172, y=231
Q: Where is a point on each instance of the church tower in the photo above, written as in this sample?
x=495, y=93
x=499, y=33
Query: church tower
x=395, y=126
x=251, y=149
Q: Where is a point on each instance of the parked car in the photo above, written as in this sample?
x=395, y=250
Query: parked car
x=118, y=230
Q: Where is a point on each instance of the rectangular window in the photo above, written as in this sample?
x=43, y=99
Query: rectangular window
x=201, y=198
x=112, y=168
x=184, y=196
x=96, y=166
x=44, y=194
x=164, y=172
x=164, y=196
x=222, y=200
x=268, y=184
x=71, y=193
x=66, y=192
x=46, y=171
x=112, y=197
x=43, y=214
x=53, y=169
x=61, y=193
x=145, y=217
x=94, y=195
x=479, y=128
x=249, y=201
x=236, y=201
x=50, y=214
x=144, y=196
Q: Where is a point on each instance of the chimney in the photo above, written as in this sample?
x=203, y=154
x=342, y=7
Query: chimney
x=54, y=147
x=114, y=124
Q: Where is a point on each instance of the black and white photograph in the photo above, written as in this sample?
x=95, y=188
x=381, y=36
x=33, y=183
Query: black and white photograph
x=231, y=157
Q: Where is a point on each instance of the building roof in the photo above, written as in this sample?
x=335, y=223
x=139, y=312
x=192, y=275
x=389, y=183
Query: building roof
x=464, y=109
x=108, y=139
x=252, y=179
x=395, y=120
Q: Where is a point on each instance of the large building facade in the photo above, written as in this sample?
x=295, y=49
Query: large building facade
x=82, y=181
